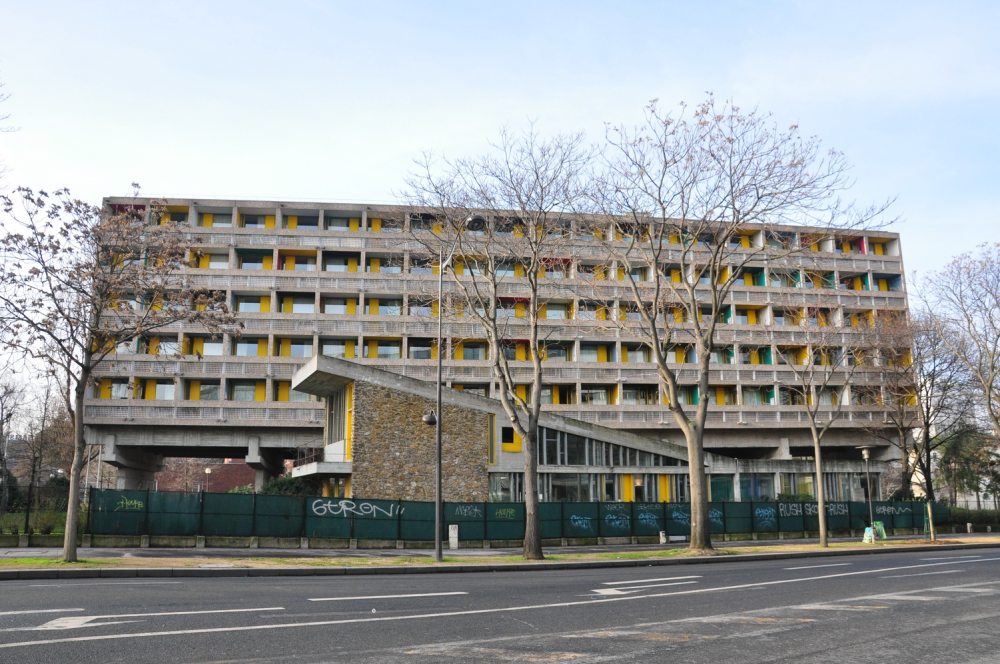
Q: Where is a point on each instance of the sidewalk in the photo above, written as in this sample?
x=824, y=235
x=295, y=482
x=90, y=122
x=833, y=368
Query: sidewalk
x=133, y=563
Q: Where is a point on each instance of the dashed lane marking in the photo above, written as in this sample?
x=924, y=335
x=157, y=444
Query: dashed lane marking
x=348, y=599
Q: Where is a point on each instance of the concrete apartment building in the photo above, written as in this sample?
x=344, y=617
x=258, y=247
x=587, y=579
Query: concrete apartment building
x=352, y=282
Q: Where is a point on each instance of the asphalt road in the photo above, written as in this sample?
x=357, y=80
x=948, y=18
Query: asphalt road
x=911, y=606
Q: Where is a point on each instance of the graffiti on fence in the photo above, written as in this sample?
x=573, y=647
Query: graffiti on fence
x=468, y=511
x=715, y=516
x=681, y=517
x=129, y=505
x=328, y=507
x=786, y=510
x=832, y=509
x=618, y=521
x=893, y=510
x=581, y=522
x=505, y=514
x=648, y=519
x=766, y=516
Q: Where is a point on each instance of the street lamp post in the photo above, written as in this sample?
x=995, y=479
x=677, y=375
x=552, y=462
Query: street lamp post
x=866, y=452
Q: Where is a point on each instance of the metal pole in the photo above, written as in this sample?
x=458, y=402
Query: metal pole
x=868, y=481
x=438, y=506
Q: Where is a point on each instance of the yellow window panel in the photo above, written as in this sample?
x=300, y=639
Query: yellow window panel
x=284, y=387
x=352, y=264
x=522, y=392
x=599, y=273
x=268, y=262
x=664, y=487
x=375, y=264
x=207, y=219
x=153, y=348
x=289, y=263
x=269, y=221
x=286, y=305
x=373, y=306
x=376, y=224
x=521, y=352
x=349, y=349
x=520, y=310
x=883, y=284
x=458, y=351
x=104, y=388
x=628, y=488
x=261, y=347
x=349, y=422
x=197, y=346
x=720, y=396
x=602, y=353
x=292, y=221
x=748, y=279
x=624, y=354
x=150, y=392
x=265, y=304
x=751, y=316
x=194, y=394
x=352, y=306
x=675, y=276
x=260, y=391
x=285, y=348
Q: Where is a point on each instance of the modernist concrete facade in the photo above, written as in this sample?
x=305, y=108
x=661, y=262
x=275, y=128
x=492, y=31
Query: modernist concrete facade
x=355, y=282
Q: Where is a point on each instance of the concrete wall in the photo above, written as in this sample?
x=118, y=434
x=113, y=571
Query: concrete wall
x=394, y=451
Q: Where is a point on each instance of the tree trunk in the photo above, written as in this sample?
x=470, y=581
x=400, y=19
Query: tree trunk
x=928, y=482
x=532, y=526
x=701, y=539
x=79, y=452
x=820, y=492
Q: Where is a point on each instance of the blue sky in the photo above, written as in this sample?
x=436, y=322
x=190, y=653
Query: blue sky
x=334, y=100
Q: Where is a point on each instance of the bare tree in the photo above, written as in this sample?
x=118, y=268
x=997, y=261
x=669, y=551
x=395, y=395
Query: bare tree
x=504, y=219
x=77, y=281
x=965, y=299
x=821, y=369
x=699, y=196
x=926, y=390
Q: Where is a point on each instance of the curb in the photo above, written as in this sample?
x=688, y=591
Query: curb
x=247, y=572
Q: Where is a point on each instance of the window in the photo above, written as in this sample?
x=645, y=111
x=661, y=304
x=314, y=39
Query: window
x=119, y=388
x=169, y=347
x=420, y=309
x=243, y=390
x=247, y=304
x=335, y=305
x=299, y=263
x=474, y=351
x=302, y=304
x=251, y=262
x=420, y=349
x=247, y=347
x=253, y=221
x=385, y=350
x=209, y=391
x=335, y=348
x=211, y=348
x=594, y=395
x=557, y=351
x=335, y=264
x=222, y=221
x=557, y=311
x=301, y=349
x=218, y=261
x=295, y=395
x=338, y=223
x=389, y=307
x=164, y=390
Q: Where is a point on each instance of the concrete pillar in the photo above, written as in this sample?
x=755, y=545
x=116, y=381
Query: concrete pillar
x=135, y=478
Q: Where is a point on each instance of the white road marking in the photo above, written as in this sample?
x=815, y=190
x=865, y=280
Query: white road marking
x=110, y=583
x=21, y=613
x=75, y=622
x=952, y=557
x=818, y=566
x=838, y=607
x=964, y=589
x=628, y=583
x=347, y=599
x=626, y=591
x=467, y=612
x=906, y=598
x=904, y=576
